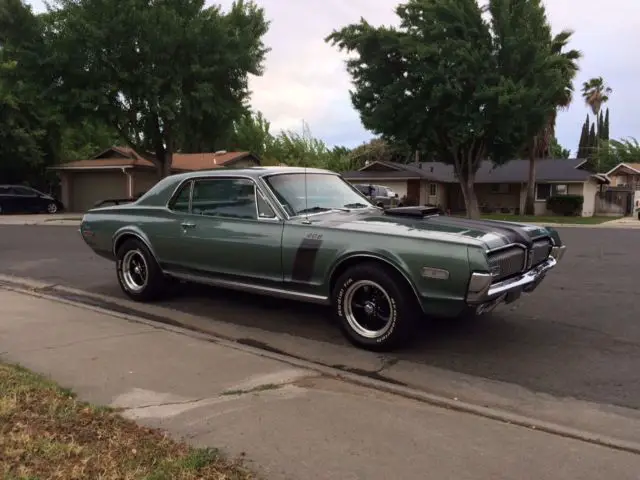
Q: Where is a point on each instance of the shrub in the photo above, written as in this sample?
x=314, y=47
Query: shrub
x=567, y=205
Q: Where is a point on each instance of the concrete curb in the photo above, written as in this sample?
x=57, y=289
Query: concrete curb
x=29, y=287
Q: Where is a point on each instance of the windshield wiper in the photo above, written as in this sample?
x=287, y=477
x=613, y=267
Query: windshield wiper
x=318, y=209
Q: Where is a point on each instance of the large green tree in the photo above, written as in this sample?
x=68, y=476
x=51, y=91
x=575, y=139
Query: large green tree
x=34, y=131
x=454, y=82
x=168, y=75
x=29, y=121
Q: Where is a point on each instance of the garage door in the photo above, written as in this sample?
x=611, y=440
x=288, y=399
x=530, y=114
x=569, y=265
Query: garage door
x=91, y=187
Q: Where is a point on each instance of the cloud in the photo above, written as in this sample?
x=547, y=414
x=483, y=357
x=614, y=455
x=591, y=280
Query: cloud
x=305, y=79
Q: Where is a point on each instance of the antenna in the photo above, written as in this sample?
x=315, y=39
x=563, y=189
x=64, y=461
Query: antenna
x=306, y=197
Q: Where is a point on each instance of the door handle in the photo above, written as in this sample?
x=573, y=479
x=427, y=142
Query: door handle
x=186, y=225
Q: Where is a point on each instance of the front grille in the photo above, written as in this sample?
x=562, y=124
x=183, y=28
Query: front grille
x=541, y=251
x=506, y=263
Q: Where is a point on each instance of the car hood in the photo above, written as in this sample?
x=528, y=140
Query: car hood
x=488, y=233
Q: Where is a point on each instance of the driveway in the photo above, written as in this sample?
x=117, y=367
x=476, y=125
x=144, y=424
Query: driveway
x=576, y=336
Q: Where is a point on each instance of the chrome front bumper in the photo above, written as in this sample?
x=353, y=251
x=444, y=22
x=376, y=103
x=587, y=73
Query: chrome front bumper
x=486, y=296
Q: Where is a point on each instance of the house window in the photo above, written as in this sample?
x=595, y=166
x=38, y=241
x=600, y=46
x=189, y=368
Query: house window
x=546, y=190
x=433, y=189
x=500, y=188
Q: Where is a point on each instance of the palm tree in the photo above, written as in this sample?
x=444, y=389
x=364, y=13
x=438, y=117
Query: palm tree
x=596, y=93
x=539, y=146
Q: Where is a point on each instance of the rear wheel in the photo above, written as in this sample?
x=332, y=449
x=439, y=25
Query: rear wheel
x=375, y=308
x=139, y=275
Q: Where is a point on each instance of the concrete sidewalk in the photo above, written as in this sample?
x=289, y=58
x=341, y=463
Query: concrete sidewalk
x=292, y=423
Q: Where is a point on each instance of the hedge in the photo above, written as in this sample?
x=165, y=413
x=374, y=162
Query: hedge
x=566, y=205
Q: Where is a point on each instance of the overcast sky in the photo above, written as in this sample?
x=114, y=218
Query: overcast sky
x=305, y=79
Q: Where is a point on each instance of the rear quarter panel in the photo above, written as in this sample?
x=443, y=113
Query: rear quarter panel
x=108, y=224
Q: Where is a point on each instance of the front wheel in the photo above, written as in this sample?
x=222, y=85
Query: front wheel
x=375, y=308
x=139, y=275
x=52, y=208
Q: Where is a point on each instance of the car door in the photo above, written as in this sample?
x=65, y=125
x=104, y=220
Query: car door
x=231, y=231
x=25, y=199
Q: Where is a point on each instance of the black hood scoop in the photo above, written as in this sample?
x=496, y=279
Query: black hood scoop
x=413, y=212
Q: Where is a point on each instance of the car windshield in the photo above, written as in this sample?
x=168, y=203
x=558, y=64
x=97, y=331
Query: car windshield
x=323, y=192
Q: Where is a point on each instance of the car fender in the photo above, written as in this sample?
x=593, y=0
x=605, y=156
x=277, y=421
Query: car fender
x=136, y=232
x=374, y=254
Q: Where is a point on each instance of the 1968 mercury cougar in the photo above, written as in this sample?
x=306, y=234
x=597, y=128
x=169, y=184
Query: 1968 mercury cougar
x=307, y=234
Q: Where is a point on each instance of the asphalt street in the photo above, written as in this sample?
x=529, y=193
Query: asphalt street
x=578, y=335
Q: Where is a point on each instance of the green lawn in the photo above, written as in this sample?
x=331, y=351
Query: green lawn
x=549, y=219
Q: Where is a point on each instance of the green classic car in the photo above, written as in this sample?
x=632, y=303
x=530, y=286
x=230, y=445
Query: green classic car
x=307, y=234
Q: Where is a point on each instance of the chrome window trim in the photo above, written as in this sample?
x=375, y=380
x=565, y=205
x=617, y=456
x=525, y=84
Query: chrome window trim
x=257, y=192
x=256, y=188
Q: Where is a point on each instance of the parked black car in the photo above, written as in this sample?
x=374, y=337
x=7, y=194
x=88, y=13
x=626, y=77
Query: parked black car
x=21, y=199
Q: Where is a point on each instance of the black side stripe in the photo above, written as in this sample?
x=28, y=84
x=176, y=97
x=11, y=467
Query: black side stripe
x=305, y=260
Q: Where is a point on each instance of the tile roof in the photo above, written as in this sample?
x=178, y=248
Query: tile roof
x=118, y=157
x=515, y=171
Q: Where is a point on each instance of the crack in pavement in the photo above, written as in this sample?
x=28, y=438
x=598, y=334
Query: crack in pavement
x=166, y=404
x=80, y=342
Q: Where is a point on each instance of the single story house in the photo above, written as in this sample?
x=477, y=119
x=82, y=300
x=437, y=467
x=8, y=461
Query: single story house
x=121, y=172
x=500, y=189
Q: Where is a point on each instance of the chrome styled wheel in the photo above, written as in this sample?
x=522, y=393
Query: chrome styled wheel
x=375, y=306
x=135, y=271
x=368, y=309
x=52, y=208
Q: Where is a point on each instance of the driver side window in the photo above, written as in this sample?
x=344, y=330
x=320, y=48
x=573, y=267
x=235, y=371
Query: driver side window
x=224, y=197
